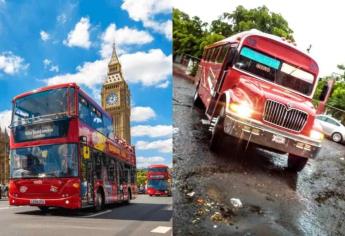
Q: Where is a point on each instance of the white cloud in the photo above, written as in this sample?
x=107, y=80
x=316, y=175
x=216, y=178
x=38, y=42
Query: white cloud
x=54, y=68
x=142, y=114
x=144, y=162
x=44, y=35
x=164, y=84
x=148, y=68
x=79, y=36
x=61, y=19
x=151, y=131
x=5, y=119
x=12, y=64
x=48, y=64
x=88, y=74
x=163, y=28
x=160, y=145
x=146, y=10
x=123, y=36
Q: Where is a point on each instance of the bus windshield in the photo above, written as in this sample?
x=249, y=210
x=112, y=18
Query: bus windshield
x=40, y=106
x=59, y=160
x=158, y=170
x=159, y=184
x=275, y=70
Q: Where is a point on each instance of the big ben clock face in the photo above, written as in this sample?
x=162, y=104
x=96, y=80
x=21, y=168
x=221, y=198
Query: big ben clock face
x=112, y=99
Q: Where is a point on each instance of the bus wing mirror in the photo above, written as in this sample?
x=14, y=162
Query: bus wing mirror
x=86, y=152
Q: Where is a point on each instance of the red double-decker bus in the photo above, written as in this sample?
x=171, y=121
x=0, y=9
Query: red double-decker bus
x=64, y=153
x=158, y=178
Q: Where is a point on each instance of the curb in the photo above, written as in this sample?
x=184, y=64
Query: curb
x=177, y=70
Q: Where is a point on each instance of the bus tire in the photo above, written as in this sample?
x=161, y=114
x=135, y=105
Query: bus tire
x=44, y=209
x=196, y=99
x=296, y=163
x=217, y=136
x=99, y=201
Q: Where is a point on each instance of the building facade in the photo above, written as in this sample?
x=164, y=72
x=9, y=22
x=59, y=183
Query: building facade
x=4, y=158
x=115, y=98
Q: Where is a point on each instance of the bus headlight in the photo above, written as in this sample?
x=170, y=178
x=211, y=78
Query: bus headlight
x=242, y=109
x=314, y=134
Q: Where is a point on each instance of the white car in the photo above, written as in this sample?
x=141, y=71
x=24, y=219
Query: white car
x=332, y=128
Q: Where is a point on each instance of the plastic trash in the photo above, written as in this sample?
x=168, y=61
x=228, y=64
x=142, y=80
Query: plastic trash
x=236, y=203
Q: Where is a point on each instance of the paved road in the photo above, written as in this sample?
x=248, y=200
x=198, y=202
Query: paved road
x=275, y=201
x=142, y=216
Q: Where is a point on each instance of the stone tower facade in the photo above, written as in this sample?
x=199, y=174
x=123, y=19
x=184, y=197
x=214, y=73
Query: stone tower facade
x=115, y=98
x=4, y=157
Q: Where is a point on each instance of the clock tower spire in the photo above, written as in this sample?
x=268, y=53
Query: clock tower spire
x=115, y=98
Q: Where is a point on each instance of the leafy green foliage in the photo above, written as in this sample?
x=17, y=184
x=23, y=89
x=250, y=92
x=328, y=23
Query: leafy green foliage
x=191, y=35
x=141, y=177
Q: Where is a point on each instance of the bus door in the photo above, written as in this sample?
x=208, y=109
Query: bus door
x=112, y=177
x=87, y=180
x=90, y=183
x=225, y=58
x=120, y=193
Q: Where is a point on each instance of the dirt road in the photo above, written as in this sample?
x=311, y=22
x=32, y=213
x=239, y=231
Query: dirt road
x=274, y=200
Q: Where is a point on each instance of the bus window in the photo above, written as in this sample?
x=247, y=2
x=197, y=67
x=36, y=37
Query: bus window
x=214, y=55
x=98, y=164
x=133, y=175
x=209, y=54
x=84, y=113
x=111, y=170
x=223, y=53
x=71, y=92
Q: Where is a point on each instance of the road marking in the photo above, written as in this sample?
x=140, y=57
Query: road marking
x=97, y=214
x=161, y=230
x=2, y=208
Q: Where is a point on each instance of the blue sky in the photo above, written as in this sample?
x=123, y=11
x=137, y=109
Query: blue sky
x=49, y=42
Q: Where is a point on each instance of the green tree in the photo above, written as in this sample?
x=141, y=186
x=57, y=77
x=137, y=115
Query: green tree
x=191, y=35
x=259, y=18
x=187, y=33
x=141, y=177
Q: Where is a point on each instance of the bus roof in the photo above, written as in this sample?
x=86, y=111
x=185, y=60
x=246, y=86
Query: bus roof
x=63, y=85
x=241, y=37
x=158, y=166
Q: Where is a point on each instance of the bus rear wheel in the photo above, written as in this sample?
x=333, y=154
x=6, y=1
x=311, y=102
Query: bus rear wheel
x=99, y=202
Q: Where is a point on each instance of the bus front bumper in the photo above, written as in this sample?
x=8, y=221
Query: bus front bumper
x=255, y=132
x=71, y=202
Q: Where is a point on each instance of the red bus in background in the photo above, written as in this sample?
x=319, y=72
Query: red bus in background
x=158, y=180
x=63, y=152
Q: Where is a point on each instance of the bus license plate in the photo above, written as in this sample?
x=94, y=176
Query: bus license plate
x=37, y=202
x=278, y=139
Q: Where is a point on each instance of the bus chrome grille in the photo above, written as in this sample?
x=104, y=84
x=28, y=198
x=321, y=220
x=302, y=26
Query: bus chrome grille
x=284, y=116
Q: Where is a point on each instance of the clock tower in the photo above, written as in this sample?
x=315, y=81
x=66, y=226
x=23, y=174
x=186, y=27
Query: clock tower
x=115, y=97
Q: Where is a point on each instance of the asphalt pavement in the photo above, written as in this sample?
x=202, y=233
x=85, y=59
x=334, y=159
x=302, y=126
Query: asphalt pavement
x=275, y=201
x=143, y=216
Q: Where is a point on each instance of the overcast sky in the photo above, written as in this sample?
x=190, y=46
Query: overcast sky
x=320, y=23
